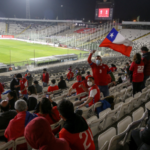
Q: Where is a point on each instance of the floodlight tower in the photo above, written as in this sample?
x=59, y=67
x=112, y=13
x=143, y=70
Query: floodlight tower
x=27, y=9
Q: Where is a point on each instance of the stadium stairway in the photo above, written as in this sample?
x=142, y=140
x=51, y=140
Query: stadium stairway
x=141, y=36
x=23, y=30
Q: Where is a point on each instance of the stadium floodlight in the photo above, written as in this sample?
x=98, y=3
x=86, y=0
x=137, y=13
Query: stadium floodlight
x=28, y=9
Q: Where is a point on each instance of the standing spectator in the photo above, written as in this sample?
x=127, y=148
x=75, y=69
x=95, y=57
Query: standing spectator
x=26, y=74
x=32, y=100
x=113, y=68
x=1, y=91
x=70, y=75
x=127, y=69
x=83, y=71
x=76, y=86
x=88, y=75
x=100, y=72
x=62, y=83
x=51, y=114
x=13, y=83
x=39, y=135
x=75, y=129
x=146, y=60
x=23, y=85
x=6, y=114
x=38, y=87
x=29, y=79
x=136, y=73
x=53, y=86
x=45, y=78
x=12, y=97
x=16, y=126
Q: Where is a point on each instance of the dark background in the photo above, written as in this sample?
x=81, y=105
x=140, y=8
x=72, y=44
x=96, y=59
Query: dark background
x=126, y=10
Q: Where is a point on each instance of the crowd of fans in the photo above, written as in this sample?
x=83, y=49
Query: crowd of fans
x=22, y=97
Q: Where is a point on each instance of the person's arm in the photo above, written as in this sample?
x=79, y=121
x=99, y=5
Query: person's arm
x=112, y=76
x=87, y=102
x=70, y=90
x=145, y=61
x=53, y=103
x=84, y=88
x=90, y=57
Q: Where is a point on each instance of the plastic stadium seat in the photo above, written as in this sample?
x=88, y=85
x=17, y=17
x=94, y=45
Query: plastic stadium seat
x=123, y=124
x=144, y=97
x=147, y=105
x=136, y=115
x=7, y=145
x=104, y=112
x=98, y=104
x=89, y=120
x=129, y=92
x=104, y=138
x=136, y=100
x=118, y=105
x=2, y=132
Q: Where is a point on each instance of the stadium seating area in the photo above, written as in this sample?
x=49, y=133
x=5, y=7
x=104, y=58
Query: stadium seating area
x=112, y=128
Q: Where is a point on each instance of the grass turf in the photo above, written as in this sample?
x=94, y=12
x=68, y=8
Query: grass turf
x=23, y=51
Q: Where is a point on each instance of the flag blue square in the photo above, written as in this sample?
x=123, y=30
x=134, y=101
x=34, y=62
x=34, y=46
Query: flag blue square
x=112, y=35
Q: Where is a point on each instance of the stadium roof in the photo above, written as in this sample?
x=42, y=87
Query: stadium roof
x=40, y=20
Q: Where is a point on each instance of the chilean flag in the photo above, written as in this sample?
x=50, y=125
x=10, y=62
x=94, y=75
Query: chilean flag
x=117, y=42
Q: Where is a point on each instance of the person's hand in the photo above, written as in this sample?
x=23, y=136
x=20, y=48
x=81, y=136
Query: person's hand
x=114, y=82
x=93, y=51
x=16, y=86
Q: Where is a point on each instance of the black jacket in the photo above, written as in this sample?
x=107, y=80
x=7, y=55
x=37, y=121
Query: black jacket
x=38, y=88
x=12, y=103
x=32, y=102
x=13, y=83
x=5, y=117
x=62, y=84
x=146, y=60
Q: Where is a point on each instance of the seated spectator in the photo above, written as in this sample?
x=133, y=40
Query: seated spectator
x=84, y=82
x=94, y=95
x=38, y=87
x=39, y=135
x=29, y=79
x=88, y=75
x=6, y=114
x=113, y=68
x=53, y=86
x=23, y=85
x=14, y=82
x=75, y=130
x=32, y=98
x=76, y=86
x=45, y=109
x=12, y=97
x=62, y=83
x=1, y=91
x=137, y=73
x=16, y=126
x=83, y=71
x=77, y=72
x=70, y=75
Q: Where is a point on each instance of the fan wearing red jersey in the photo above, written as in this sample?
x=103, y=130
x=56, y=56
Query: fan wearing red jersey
x=88, y=75
x=23, y=85
x=77, y=86
x=75, y=129
x=100, y=72
x=113, y=68
x=70, y=75
x=53, y=86
x=136, y=73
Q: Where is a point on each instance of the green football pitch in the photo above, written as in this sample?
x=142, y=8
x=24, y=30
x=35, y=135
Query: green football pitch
x=18, y=51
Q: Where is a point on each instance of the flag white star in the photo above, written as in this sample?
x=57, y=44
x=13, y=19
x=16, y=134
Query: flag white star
x=111, y=35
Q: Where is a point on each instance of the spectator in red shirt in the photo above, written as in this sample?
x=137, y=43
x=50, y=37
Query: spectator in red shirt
x=113, y=68
x=53, y=86
x=146, y=60
x=76, y=86
x=23, y=85
x=45, y=78
x=100, y=72
x=136, y=73
x=70, y=75
x=51, y=114
x=1, y=91
x=39, y=135
x=84, y=80
x=16, y=126
x=75, y=129
x=88, y=75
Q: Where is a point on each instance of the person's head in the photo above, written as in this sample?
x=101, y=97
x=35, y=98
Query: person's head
x=98, y=60
x=36, y=82
x=144, y=49
x=31, y=90
x=90, y=81
x=77, y=69
x=83, y=78
x=61, y=78
x=19, y=76
x=29, y=74
x=21, y=105
x=66, y=109
x=4, y=105
x=12, y=95
x=137, y=57
x=130, y=61
x=88, y=72
x=44, y=70
x=53, y=81
x=38, y=134
x=79, y=78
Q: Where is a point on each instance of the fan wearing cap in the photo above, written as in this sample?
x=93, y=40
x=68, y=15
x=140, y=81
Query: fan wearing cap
x=77, y=86
x=70, y=75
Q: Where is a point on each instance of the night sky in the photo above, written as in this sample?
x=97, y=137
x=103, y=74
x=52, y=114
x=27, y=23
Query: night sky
x=126, y=10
